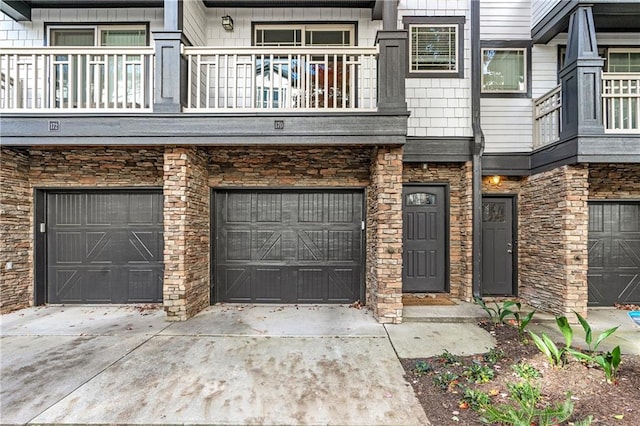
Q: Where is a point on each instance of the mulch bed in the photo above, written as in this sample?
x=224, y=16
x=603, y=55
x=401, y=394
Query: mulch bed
x=609, y=404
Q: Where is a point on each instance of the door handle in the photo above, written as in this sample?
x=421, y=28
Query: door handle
x=509, y=251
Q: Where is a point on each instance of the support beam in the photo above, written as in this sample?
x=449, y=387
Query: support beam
x=16, y=10
x=173, y=13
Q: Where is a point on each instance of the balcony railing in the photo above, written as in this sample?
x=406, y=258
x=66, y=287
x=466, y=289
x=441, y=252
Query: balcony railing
x=546, y=118
x=621, y=102
x=294, y=78
x=76, y=79
x=620, y=108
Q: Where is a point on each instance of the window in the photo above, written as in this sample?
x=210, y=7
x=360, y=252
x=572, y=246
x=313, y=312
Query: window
x=504, y=70
x=620, y=60
x=303, y=35
x=98, y=35
x=435, y=46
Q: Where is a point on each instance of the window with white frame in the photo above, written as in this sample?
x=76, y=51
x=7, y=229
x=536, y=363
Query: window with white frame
x=623, y=60
x=304, y=35
x=505, y=71
x=435, y=46
x=98, y=35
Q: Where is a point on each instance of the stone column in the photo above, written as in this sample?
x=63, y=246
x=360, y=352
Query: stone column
x=554, y=230
x=16, y=276
x=186, y=232
x=384, y=254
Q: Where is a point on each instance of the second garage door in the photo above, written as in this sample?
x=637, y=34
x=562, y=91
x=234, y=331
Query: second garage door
x=614, y=253
x=301, y=246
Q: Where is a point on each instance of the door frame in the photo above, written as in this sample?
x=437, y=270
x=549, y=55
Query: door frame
x=447, y=228
x=40, y=238
x=514, y=233
x=213, y=226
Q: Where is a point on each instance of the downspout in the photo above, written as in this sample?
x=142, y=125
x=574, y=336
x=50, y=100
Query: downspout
x=477, y=149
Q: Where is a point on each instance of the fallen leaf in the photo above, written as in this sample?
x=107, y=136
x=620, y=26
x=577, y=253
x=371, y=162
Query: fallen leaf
x=618, y=416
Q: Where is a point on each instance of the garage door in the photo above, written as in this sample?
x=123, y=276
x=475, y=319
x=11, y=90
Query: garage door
x=288, y=246
x=614, y=253
x=104, y=247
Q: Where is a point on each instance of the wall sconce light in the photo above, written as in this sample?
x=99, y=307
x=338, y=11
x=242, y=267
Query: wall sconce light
x=425, y=166
x=227, y=23
x=495, y=180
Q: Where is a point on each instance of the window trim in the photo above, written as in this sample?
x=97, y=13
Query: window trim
x=96, y=27
x=455, y=21
x=524, y=45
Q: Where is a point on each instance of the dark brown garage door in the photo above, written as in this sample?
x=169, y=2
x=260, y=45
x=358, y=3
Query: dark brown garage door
x=104, y=247
x=298, y=246
x=614, y=253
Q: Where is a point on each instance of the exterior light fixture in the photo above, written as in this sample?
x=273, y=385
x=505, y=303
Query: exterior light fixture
x=227, y=23
x=495, y=180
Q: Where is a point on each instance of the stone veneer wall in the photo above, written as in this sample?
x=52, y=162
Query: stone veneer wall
x=16, y=291
x=614, y=181
x=554, y=221
x=384, y=235
x=186, y=232
x=458, y=178
x=288, y=166
x=22, y=171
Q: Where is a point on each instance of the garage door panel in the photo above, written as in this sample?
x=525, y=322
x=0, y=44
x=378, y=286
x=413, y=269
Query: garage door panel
x=340, y=283
x=614, y=253
x=296, y=241
x=267, y=284
x=104, y=234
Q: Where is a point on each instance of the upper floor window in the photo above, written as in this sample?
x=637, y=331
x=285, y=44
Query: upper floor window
x=623, y=60
x=98, y=35
x=303, y=35
x=435, y=46
x=505, y=70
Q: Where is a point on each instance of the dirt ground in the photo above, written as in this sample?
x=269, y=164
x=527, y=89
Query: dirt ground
x=609, y=404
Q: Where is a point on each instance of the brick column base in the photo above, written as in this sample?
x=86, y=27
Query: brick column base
x=384, y=235
x=186, y=232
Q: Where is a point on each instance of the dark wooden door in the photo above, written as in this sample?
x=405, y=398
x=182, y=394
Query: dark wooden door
x=299, y=246
x=104, y=247
x=614, y=253
x=424, y=239
x=498, y=246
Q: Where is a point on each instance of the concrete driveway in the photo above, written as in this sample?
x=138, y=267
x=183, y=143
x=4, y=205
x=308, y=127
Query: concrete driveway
x=227, y=365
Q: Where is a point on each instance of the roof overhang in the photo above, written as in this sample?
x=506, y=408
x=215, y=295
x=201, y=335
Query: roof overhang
x=608, y=16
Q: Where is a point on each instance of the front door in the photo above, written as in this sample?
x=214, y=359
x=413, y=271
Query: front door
x=498, y=246
x=424, y=238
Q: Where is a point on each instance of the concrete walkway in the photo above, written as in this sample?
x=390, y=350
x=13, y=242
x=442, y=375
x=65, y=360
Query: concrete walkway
x=227, y=365
x=234, y=364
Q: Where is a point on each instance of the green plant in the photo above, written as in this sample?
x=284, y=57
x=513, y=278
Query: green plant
x=493, y=356
x=520, y=321
x=478, y=373
x=476, y=399
x=445, y=380
x=498, y=313
x=549, y=349
x=524, y=410
x=447, y=358
x=609, y=362
x=554, y=354
x=525, y=371
x=422, y=368
x=588, y=337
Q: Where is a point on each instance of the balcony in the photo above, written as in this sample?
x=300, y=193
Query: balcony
x=620, y=106
x=76, y=79
x=120, y=80
x=293, y=78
